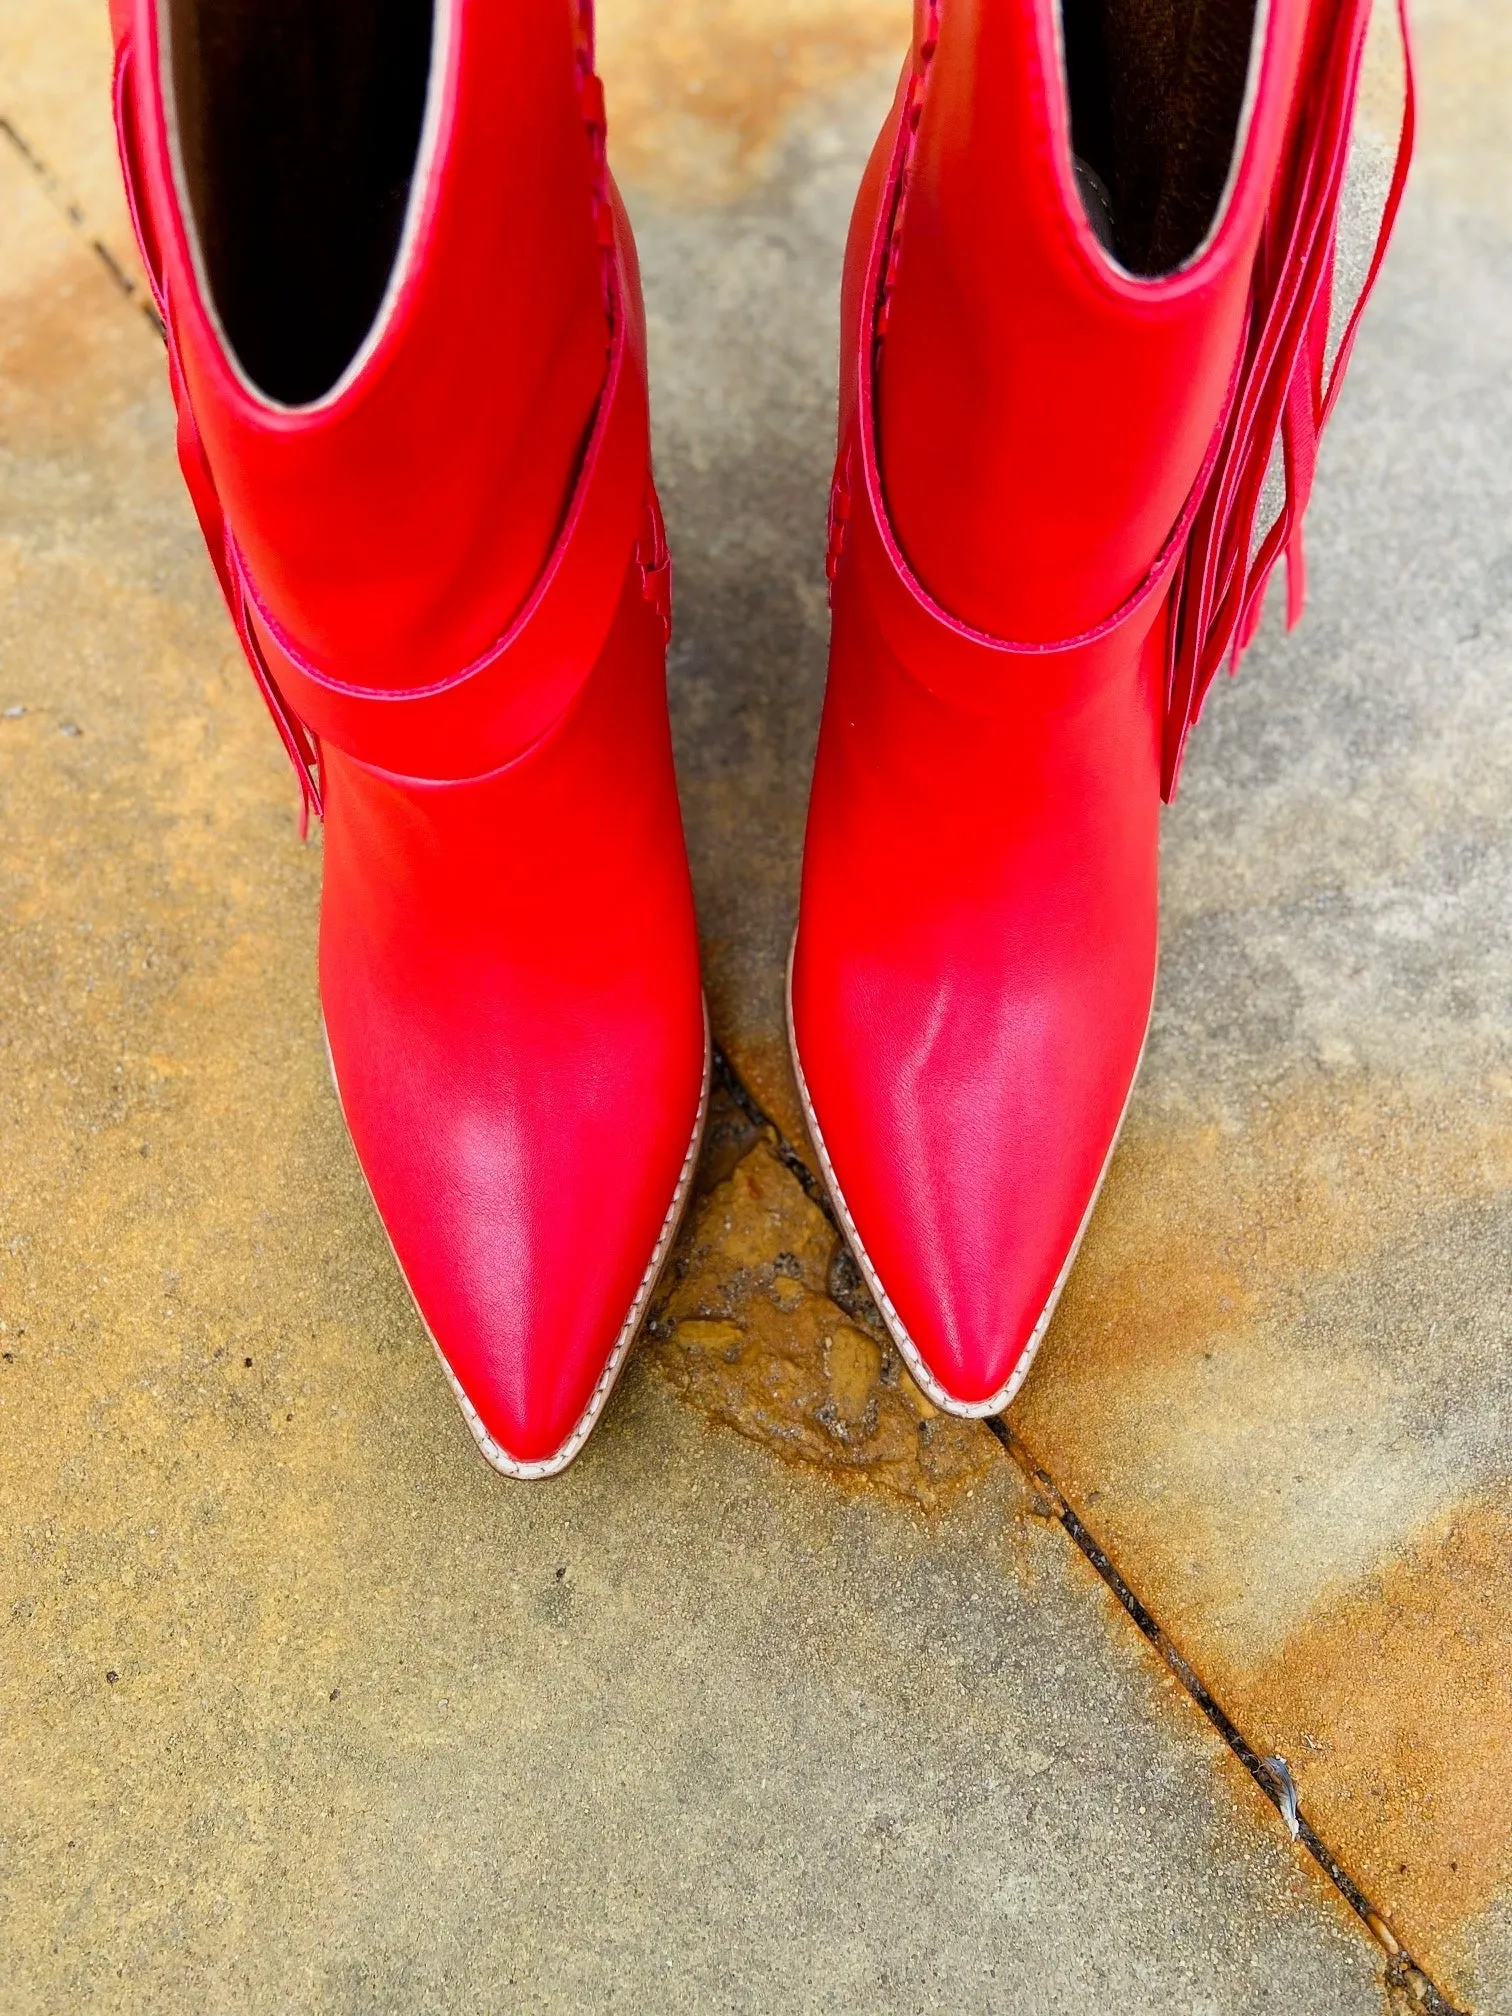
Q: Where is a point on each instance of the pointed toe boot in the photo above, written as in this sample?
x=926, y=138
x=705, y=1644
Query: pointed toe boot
x=1088, y=285
x=407, y=353
x=509, y=977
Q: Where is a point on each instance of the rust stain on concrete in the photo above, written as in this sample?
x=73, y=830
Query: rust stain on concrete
x=1392, y=1703
x=700, y=91
x=750, y=1334
x=62, y=346
x=1209, y=1232
x=1218, y=1398
x=1311, y=1180
x=766, y=1069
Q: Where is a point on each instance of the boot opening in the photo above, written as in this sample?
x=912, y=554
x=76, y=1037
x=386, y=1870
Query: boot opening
x=299, y=126
x=1158, y=97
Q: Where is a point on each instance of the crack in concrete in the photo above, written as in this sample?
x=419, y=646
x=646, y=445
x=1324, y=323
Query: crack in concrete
x=1402, y=1970
x=1405, y=1977
x=56, y=194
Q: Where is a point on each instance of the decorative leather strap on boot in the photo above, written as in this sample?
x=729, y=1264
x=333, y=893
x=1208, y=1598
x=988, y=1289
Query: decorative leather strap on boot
x=493, y=709
x=1204, y=575
x=978, y=672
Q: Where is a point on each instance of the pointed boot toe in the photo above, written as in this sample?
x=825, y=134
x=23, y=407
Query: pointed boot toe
x=532, y=1206
x=533, y=1337
x=964, y=1152
x=518, y=1040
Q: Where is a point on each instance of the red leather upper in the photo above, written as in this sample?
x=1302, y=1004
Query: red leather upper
x=976, y=945
x=975, y=956
x=483, y=714
x=464, y=654
x=976, y=949
x=509, y=972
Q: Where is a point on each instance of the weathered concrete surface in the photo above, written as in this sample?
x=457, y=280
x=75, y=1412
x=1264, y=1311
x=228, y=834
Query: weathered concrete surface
x=515, y=1783
x=55, y=75
x=305, y=1708
x=707, y=92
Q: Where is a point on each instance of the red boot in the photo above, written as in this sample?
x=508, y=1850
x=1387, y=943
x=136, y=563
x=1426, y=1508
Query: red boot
x=406, y=346
x=1072, y=324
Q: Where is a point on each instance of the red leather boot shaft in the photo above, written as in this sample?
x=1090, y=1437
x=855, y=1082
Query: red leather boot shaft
x=508, y=953
x=400, y=523
x=1043, y=413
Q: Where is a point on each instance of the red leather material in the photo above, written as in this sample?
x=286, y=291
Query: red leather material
x=509, y=972
x=490, y=710
x=975, y=963
x=976, y=951
x=1037, y=401
x=508, y=950
x=976, y=948
x=480, y=391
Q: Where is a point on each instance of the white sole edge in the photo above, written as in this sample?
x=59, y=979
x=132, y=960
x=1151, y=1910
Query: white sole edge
x=493, y=1454
x=923, y=1378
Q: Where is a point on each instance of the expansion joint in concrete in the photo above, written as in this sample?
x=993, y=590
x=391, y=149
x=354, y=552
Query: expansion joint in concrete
x=1403, y=1974
x=1402, y=1970
x=73, y=211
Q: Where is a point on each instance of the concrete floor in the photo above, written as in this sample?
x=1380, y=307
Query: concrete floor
x=791, y=1694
